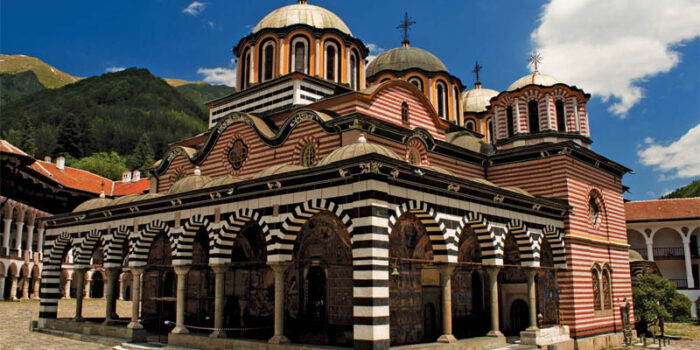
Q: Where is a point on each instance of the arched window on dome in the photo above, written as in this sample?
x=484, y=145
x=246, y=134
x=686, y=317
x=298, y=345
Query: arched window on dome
x=404, y=112
x=489, y=130
x=332, y=61
x=245, y=68
x=533, y=114
x=300, y=55
x=354, y=71
x=267, y=59
x=561, y=121
x=509, y=121
x=417, y=83
x=441, y=99
x=470, y=124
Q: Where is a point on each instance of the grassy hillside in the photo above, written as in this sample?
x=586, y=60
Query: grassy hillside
x=49, y=76
x=202, y=93
x=687, y=191
x=106, y=113
x=15, y=86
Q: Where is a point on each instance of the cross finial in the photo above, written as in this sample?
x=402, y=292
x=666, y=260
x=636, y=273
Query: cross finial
x=476, y=70
x=405, y=25
x=535, y=59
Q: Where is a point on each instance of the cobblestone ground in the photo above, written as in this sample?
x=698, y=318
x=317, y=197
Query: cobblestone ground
x=15, y=317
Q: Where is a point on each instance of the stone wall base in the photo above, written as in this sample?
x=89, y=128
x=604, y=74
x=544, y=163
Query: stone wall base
x=91, y=329
x=609, y=340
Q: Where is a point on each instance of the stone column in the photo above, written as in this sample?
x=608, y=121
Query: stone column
x=79, y=293
x=37, y=286
x=650, y=249
x=66, y=289
x=111, y=273
x=2, y=288
x=30, y=238
x=493, y=287
x=13, y=288
x=278, y=337
x=40, y=243
x=122, y=289
x=6, y=236
x=18, y=244
x=220, y=273
x=87, y=286
x=446, y=282
x=693, y=309
x=532, y=299
x=135, y=297
x=181, y=272
x=25, y=288
x=688, y=263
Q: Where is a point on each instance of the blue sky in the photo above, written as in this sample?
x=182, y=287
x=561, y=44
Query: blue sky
x=640, y=62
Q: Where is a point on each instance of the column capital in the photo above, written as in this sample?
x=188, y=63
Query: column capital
x=493, y=271
x=137, y=270
x=219, y=268
x=530, y=273
x=279, y=266
x=182, y=269
x=446, y=269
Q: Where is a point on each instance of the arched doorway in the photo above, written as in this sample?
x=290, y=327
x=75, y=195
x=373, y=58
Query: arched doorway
x=414, y=283
x=468, y=303
x=519, y=316
x=512, y=284
x=97, y=285
x=319, y=283
x=249, y=308
x=199, y=309
x=159, y=283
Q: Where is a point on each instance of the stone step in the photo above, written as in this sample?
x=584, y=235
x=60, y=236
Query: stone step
x=80, y=337
x=137, y=346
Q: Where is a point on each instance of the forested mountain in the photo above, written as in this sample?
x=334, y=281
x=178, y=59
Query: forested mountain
x=106, y=113
x=687, y=191
x=15, y=86
x=202, y=93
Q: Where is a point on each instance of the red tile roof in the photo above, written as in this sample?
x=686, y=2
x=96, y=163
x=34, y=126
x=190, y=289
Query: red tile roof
x=78, y=179
x=663, y=209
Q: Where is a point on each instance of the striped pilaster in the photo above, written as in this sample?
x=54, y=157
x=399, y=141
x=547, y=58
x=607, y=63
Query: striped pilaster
x=435, y=229
x=370, y=251
x=182, y=254
x=490, y=238
x=555, y=239
x=527, y=246
x=51, y=275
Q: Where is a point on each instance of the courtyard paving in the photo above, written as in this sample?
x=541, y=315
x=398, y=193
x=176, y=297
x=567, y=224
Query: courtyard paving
x=14, y=325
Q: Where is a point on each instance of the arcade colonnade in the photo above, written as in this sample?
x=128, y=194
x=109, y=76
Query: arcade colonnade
x=369, y=257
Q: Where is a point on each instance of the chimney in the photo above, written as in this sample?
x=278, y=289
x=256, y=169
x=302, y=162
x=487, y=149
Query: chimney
x=47, y=159
x=126, y=177
x=136, y=176
x=60, y=163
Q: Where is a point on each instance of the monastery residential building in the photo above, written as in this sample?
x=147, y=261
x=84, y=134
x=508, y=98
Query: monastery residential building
x=338, y=203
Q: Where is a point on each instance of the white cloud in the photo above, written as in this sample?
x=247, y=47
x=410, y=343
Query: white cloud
x=374, y=51
x=680, y=157
x=114, y=69
x=194, y=8
x=219, y=75
x=609, y=47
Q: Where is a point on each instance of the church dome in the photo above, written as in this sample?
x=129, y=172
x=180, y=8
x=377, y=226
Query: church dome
x=535, y=78
x=476, y=99
x=359, y=148
x=404, y=58
x=302, y=13
x=223, y=180
x=278, y=169
x=190, y=183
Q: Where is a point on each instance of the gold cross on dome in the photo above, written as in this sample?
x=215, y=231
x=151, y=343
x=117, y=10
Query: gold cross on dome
x=405, y=26
x=535, y=59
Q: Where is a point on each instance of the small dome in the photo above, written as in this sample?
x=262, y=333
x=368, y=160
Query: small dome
x=483, y=181
x=359, y=148
x=470, y=142
x=476, y=99
x=124, y=199
x=302, y=13
x=404, y=58
x=437, y=169
x=278, y=169
x=535, y=78
x=91, y=204
x=189, y=183
x=635, y=256
x=223, y=180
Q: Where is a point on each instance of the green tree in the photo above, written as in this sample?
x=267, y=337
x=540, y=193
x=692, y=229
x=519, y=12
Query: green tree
x=656, y=298
x=26, y=142
x=109, y=165
x=142, y=158
x=71, y=137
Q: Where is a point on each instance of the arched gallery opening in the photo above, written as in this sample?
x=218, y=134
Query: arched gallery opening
x=158, y=291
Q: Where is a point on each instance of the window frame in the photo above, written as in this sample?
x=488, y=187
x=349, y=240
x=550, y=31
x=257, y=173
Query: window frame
x=418, y=80
x=354, y=70
x=405, y=112
x=510, y=123
x=263, y=63
x=304, y=159
x=441, y=102
x=560, y=117
x=533, y=116
x=473, y=123
x=304, y=41
x=336, y=61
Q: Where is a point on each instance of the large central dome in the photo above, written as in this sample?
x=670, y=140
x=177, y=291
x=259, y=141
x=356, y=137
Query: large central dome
x=404, y=58
x=302, y=13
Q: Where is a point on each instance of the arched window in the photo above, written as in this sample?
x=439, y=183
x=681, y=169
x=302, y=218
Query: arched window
x=332, y=61
x=470, y=124
x=509, y=121
x=308, y=154
x=597, y=305
x=354, y=71
x=300, y=55
x=267, y=59
x=489, y=130
x=533, y=114
x=417, y=83
x=404, y=112
x=607, y=292
x=561, y=122
x=441, y=99
x=245, y=67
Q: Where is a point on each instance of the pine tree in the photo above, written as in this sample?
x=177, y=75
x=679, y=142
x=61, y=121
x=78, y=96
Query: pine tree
x=26, y=142
x=70, y=137
x=143, y=153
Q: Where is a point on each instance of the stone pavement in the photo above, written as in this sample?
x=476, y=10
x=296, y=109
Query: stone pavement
x=15, y=317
